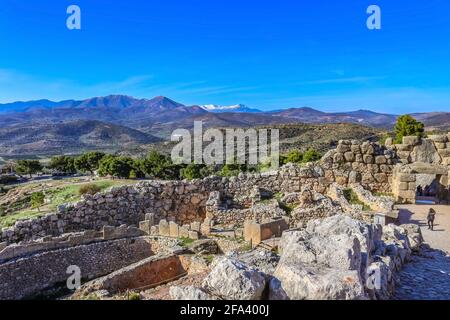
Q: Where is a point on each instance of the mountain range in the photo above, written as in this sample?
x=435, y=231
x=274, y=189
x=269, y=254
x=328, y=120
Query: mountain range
x=103, y=121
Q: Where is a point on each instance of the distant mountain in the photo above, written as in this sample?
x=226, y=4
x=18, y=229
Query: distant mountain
x=117, y=109
x=160, y=116
x=238, y=108
x=364, y=117
x=69, y=137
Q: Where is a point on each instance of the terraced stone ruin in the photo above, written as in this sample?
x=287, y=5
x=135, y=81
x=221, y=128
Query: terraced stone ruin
x=326, y=230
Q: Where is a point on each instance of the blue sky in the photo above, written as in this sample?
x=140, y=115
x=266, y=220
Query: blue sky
x=266, y=54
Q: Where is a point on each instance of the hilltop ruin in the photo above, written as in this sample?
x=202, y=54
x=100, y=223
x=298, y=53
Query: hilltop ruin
x=265, y=221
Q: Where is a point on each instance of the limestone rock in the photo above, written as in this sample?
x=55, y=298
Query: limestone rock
x=298, y=282
x=232, y=280
x=189, y=293
x=206, y=246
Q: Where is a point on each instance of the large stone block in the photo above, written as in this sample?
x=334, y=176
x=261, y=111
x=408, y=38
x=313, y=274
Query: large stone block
x=164, y=229
x=368, y=159
x=343, y=148
x=411, y=140
x=381, y=177
x=193, y=235
x=356, y=149
x=403, y=186
x=338, y=158
x=184, y=232
x=174, y=229
x=405, y=177
x=444, y=153
x=409, y=194
x=349, y=156
x=380, y=160
x=438, y=138
x=145, y=226
x=195, y=226
x=258, y=232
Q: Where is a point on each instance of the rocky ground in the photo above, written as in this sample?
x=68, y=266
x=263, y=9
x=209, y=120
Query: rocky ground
x=427, y=277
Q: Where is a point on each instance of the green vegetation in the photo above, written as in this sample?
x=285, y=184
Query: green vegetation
x=352, y=198
x=159, y=166
x=63, y=164
x=186, y=242
x=28, y=167
x=295, y=156
x=90, y=188
x=37, y=200
x=117, y=167
x=133, y=296
x=56, y=196
x=408, y=126
x=10, y=220
x=89, y=162
x=209, y=258
x=194, y=171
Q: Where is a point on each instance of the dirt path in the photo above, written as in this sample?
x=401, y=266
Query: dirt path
x=427, y=277
x=440, y=237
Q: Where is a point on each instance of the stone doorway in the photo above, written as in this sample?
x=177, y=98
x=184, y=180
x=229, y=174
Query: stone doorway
x=416, y=180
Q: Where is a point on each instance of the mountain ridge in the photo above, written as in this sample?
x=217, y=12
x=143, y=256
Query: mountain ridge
x=160, y=111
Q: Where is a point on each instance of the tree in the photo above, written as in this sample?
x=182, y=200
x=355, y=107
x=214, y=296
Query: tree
x=28, y=167
x=311, y=155
x=196, y=171
x=37, y=200
x=119, y=167
x=408, y=126
x=89, y=162
x=63, y=164
x=160, y=166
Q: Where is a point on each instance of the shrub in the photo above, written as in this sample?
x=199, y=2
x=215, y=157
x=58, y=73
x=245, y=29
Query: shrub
x=37, y=200
x=90, y=188
x=408, y=126
x=295, y=156
x=311, y=155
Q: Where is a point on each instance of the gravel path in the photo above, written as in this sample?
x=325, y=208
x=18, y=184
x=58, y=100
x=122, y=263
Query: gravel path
x=427, y=277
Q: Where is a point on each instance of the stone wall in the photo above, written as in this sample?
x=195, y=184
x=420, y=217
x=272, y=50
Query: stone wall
x=31, y=275
x=368, y=163
x=434, y=150
x=180, y=201
x=65, y=241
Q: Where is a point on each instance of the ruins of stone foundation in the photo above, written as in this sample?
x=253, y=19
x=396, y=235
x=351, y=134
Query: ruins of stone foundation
x=286, y=234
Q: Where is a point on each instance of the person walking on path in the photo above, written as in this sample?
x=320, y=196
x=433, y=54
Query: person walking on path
x=431, y=217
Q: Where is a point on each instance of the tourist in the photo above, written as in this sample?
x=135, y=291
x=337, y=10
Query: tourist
x=431, y=216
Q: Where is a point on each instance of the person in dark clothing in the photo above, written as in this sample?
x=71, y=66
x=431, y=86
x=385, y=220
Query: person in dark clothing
x=419, y=191
x=431, y=217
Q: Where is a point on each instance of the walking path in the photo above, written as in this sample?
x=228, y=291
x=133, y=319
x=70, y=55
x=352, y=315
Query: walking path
x=427, y=276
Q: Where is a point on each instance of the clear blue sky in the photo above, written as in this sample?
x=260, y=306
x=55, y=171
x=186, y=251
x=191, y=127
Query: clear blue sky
x=266, y=54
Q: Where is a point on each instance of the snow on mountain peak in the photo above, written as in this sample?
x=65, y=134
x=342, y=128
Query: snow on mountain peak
x=233, y=108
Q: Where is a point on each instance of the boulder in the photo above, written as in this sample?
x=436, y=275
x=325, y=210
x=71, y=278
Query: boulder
x=300, y=282
x=232, y=280
x=335, y=251
x=426, y=152
x=414, y=235
x=189, y=293
x=206, y=246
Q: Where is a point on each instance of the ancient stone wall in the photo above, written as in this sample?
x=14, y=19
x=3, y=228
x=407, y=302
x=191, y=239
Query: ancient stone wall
x=368, y=163
x=180, y=201
x=27, y=276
